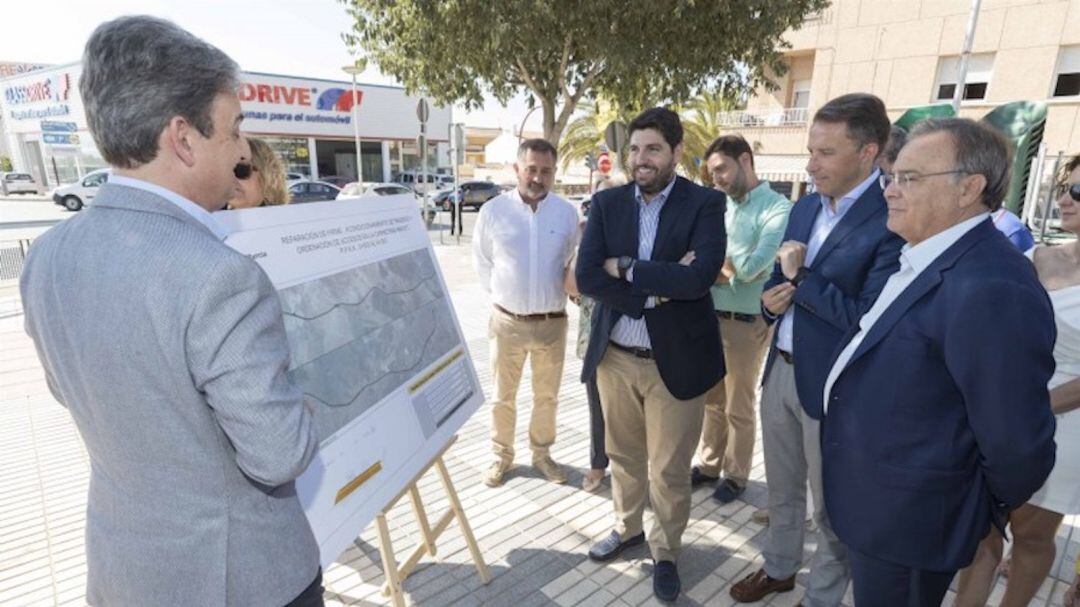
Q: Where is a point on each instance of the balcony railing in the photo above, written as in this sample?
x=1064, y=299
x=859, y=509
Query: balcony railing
x=795, y=116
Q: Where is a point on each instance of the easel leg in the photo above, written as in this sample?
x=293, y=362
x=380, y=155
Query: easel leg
x=422, y=519
x=390, y=568
x=466, y=530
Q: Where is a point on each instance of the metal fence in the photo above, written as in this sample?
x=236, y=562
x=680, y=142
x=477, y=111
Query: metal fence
x=12, y=256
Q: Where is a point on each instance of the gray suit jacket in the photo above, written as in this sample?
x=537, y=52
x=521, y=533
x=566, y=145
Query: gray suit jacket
x=169, y=350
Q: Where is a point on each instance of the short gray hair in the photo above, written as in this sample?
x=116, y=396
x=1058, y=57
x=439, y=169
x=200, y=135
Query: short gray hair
x=139, y=73
x=979, y=150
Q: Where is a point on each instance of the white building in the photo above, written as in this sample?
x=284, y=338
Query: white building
x=309, y=122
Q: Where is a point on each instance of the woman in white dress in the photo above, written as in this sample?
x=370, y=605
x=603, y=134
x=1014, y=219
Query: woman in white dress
x=1035, y=524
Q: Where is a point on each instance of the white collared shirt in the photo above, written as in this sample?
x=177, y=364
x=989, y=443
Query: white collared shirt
x=826, y=220
x=200, y=214
x=521, y=255
x=913, y=260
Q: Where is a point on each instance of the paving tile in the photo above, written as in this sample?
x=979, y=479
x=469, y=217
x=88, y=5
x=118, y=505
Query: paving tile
x=533, y=534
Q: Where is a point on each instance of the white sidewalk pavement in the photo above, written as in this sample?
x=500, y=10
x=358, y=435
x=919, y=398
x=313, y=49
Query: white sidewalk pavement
x=534, y=534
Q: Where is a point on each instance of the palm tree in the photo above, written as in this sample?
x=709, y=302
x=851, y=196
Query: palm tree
x=585, y=133
x=700, y=118
x=702, y=124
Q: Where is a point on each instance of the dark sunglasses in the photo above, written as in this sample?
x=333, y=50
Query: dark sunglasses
x=243, y=170
x=1073, y=190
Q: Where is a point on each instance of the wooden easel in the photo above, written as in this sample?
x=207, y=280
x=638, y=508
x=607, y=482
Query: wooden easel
x=396, y=576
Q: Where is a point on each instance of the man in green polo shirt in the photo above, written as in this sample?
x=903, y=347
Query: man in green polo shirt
x=756, y=218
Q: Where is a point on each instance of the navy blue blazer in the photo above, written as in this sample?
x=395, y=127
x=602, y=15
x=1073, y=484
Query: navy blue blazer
x=683, y=331
x=941, y=420
x=846, y=277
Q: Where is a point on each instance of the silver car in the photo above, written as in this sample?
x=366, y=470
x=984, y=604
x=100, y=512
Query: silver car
x=17, y=183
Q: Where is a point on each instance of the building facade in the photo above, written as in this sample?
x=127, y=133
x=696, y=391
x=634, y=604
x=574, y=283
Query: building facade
x=309, y=122
x=906, y=52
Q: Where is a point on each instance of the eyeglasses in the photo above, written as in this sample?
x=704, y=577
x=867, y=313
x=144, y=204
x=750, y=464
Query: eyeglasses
x=1073, y=191
x=243, y=170
x=905, y=179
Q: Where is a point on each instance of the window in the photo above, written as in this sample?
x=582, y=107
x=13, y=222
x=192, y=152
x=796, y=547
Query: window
x=979, y=69
x=1067, y=74
x=800, y=94
x=95, y=180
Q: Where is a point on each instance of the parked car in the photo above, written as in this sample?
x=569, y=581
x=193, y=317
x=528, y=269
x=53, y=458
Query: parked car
x=313, y=191
x=443, y=199
x=421, y=183
x=336, y=180
x=356, y=189
x=476, y=193
x=75, y=196
x=17, y=183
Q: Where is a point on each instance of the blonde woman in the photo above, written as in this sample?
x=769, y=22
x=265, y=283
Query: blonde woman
x=261, y=176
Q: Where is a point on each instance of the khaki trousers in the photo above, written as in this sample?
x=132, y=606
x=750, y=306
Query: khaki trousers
x=543, y=342
x=650, y=438
x=727, y=437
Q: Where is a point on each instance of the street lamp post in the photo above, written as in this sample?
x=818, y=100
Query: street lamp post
x=356, y=68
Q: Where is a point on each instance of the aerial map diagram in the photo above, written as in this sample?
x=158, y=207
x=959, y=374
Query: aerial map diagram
x=358, y=335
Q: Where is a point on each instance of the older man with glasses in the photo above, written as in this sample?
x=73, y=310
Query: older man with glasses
x=937, y=416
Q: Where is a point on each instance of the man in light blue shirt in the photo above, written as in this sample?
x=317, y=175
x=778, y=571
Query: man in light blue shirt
x=755, y=218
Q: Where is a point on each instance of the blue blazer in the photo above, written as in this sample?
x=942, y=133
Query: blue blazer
x=683, y=331
x=941, y=422
x=848, y=272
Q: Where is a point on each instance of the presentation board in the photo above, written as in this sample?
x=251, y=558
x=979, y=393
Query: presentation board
x=374, y=344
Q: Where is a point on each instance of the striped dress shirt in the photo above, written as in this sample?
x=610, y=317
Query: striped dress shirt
x=628, y=331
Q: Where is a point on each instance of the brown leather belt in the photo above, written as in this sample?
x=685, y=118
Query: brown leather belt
x=638, y=352
x=788, y=357
x=739, y=316
x=544, y=316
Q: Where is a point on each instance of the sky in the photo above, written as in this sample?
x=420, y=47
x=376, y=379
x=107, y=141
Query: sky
x=288, y=37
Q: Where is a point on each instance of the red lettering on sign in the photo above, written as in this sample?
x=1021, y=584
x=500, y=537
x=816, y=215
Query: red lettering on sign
x=276, y=94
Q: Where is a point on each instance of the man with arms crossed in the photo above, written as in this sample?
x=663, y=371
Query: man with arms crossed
x=523, y=244
x=173, y=363
x=755, y=220
x=651, y=250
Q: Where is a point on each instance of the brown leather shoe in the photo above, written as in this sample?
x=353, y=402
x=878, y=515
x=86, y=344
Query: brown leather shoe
x=759, y=585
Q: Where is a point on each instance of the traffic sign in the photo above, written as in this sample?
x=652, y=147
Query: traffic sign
x=60, y=138
x=48, y=126
x=615, y=136
x=603, y=162
x=423, y=111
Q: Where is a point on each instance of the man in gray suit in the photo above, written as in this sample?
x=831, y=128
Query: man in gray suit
x=168, y=347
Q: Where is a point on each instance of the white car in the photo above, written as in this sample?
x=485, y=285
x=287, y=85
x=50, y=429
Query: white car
x=354, y=189
x=364, y=190
x=75, y=196
x=17, y=183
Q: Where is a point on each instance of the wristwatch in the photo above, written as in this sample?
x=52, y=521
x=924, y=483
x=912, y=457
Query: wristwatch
x=625, y=263
x=799, y=276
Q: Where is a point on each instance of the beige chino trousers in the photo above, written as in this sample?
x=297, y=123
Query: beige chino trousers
x=650, y=436
x=513, y=340
x=727, y=437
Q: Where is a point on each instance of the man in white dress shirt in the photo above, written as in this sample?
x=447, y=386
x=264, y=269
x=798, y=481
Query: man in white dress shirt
x=522, y=246
x=937, y=416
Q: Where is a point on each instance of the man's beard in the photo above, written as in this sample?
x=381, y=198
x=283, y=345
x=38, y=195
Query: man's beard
x=661, y=177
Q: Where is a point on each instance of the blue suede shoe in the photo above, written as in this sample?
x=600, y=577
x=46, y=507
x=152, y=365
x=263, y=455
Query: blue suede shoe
x=665, y=581
x=612, y=546
x=727, y=491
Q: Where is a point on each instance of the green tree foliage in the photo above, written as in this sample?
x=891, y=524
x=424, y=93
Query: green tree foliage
x=566, y=51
